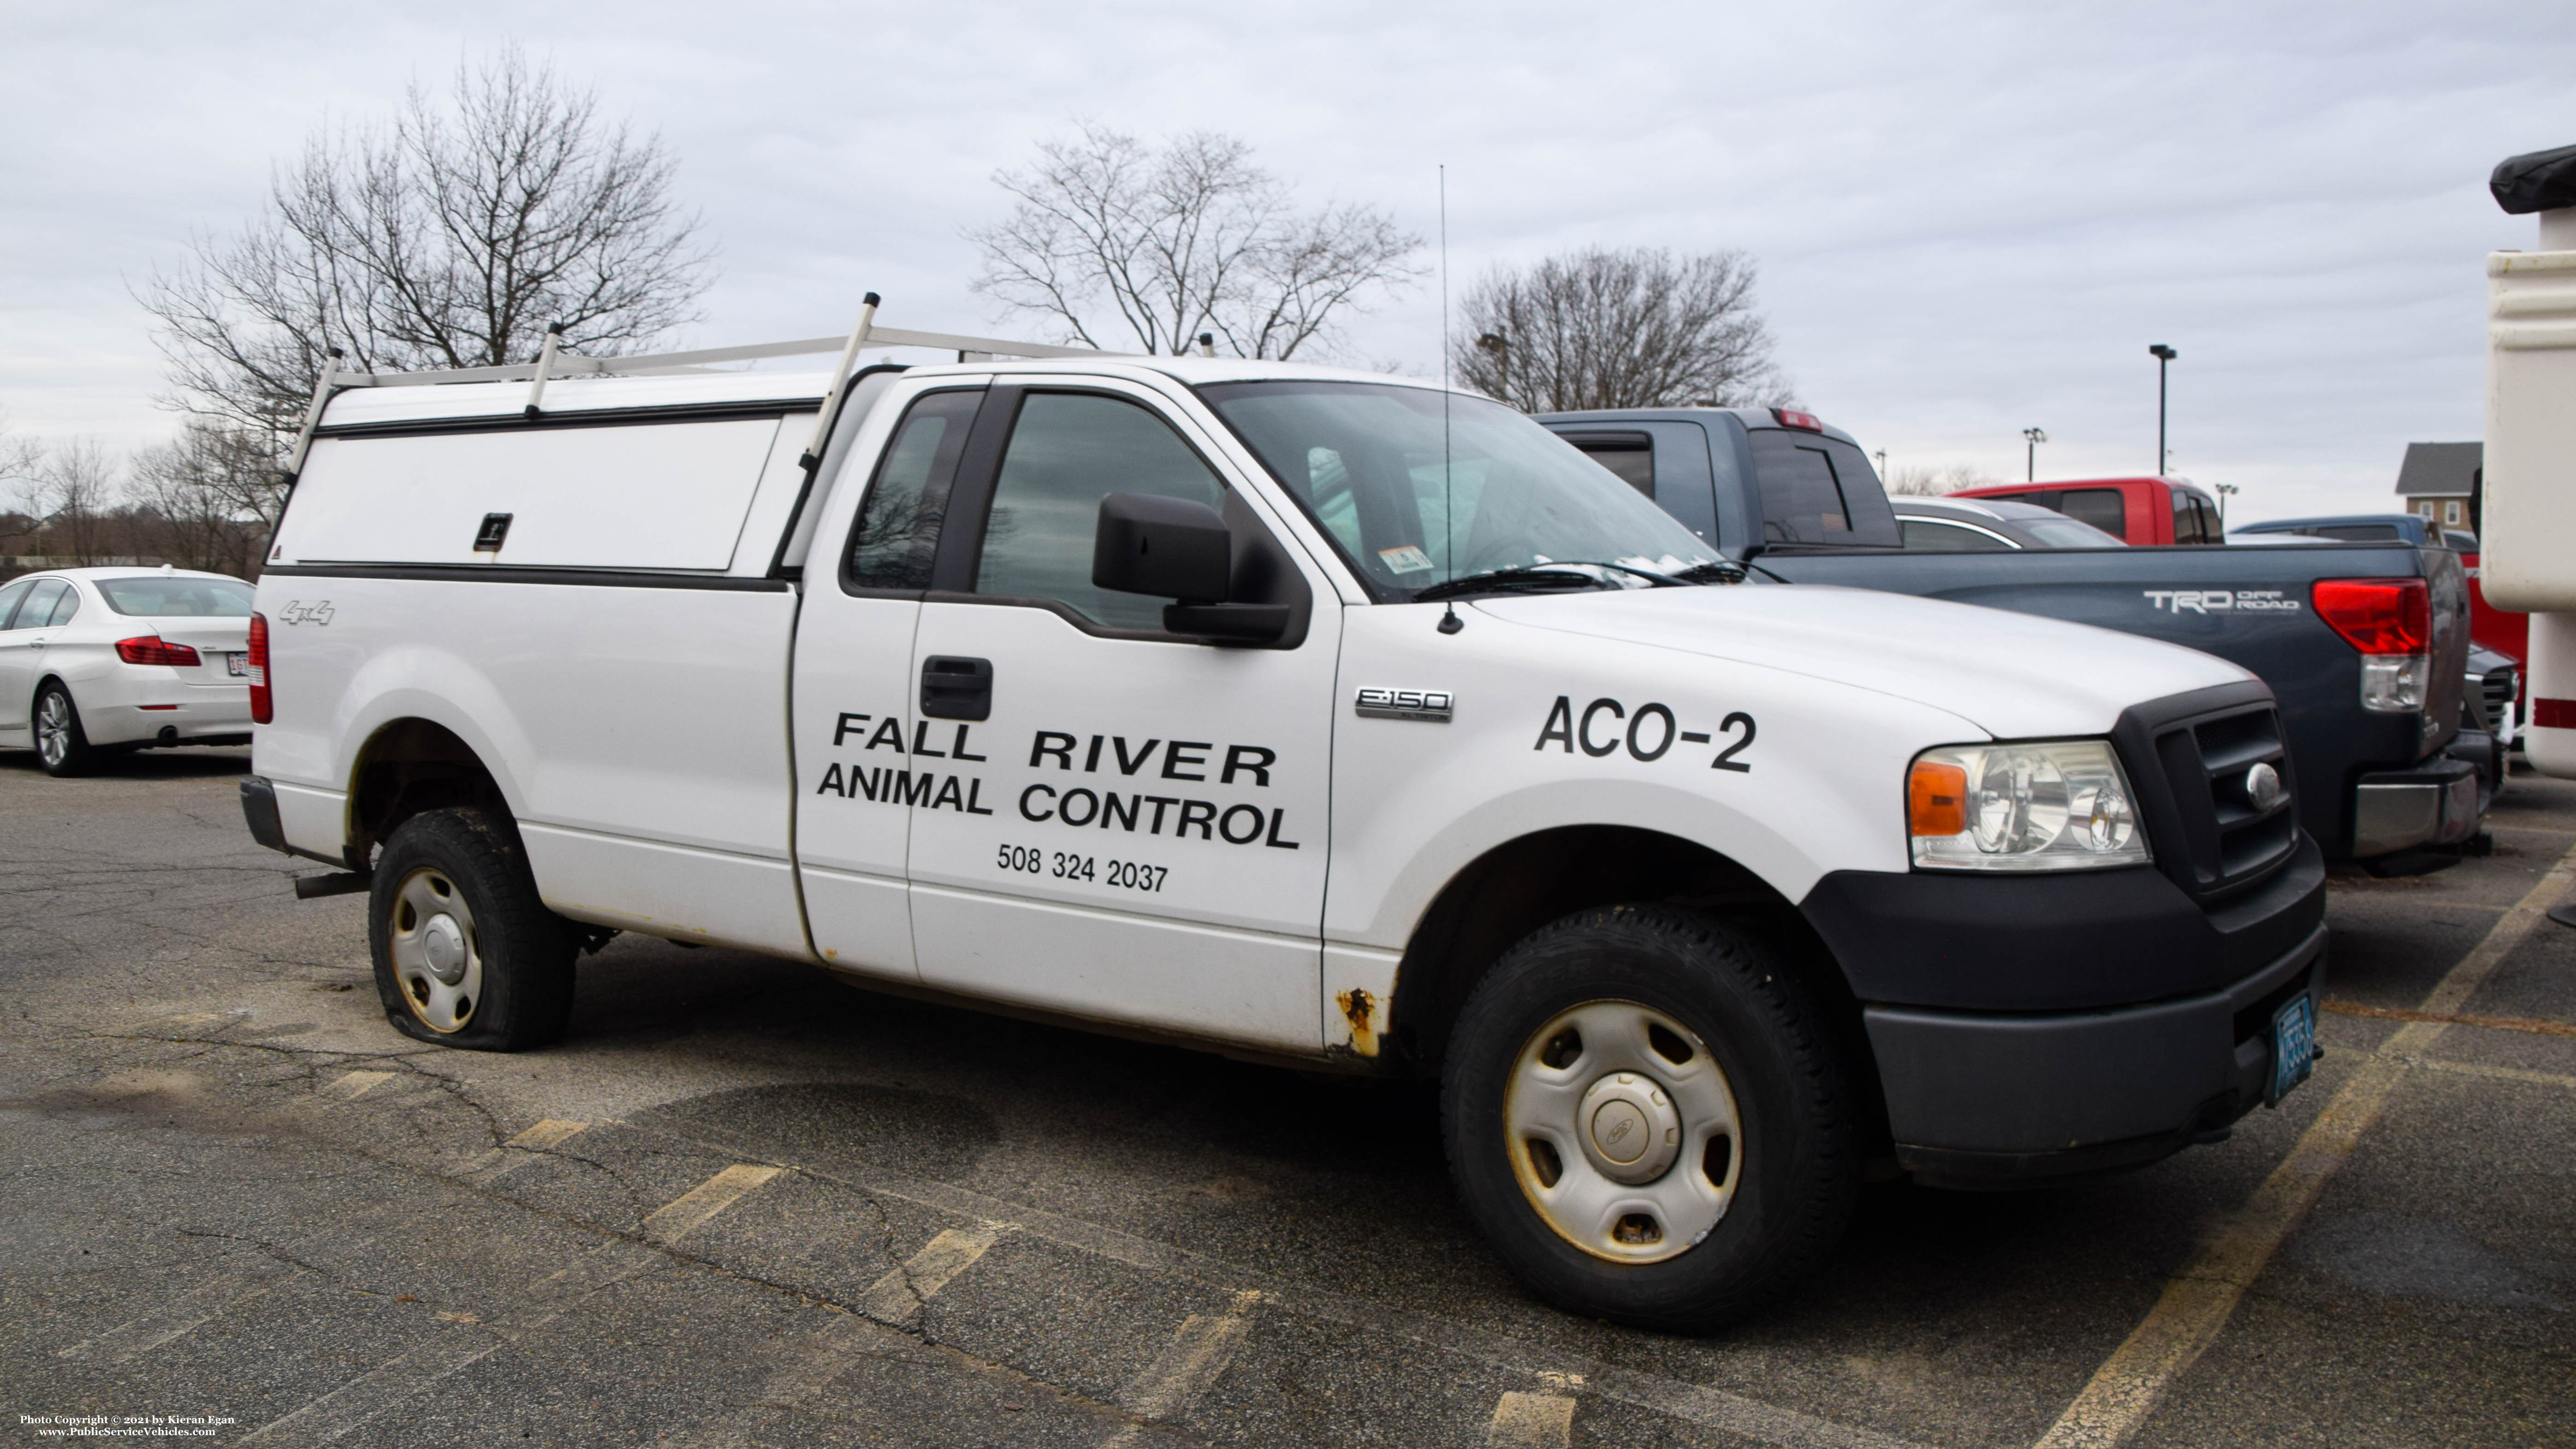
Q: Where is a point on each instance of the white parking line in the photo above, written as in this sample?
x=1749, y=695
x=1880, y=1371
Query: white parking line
x=2201, y=1298
x=1187, y=1366
x=1531, y=1421
x=707, y=1199
x=187, y=1311
x=897, y=1297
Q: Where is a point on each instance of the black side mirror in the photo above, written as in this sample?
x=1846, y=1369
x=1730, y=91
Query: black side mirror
x=1171, y=548
x=1174, y=548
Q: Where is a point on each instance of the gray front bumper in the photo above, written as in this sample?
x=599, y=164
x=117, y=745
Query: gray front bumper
x=2434, y=804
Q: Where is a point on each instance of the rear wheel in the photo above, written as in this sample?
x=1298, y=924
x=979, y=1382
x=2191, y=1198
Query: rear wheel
x=61, y=744
x=466, y=955
x=1649, y=1118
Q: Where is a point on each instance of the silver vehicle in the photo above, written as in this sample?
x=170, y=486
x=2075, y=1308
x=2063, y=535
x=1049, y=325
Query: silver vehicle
x=1992, y=525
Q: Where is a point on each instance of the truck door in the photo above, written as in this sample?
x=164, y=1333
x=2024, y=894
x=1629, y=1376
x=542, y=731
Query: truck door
x=1107, y=819
x=856, y=727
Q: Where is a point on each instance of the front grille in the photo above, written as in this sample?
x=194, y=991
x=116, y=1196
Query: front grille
x=2500, y=686
x=2215, y=838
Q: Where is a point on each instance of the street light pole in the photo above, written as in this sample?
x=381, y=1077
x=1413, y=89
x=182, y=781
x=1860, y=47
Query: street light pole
x=2162, y=355
x=1499, y=343
x=2225, y=492
x=2030, y=462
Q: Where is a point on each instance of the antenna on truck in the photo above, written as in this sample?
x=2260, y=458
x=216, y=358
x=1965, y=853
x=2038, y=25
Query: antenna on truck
x=867, y=322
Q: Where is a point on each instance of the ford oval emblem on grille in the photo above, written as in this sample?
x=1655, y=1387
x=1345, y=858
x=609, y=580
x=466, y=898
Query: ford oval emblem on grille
x=2263, y=787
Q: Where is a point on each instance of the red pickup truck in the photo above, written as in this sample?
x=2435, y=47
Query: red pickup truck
x=2139, y=510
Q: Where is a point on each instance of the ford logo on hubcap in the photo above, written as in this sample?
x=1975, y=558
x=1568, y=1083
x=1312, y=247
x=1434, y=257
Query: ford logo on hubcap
x=2263, y=787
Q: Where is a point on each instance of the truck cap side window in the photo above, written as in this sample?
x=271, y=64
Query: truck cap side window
x=1630, y=455
x=1804, y=499
x=898, y=529
x=2102, y=508
x=1364, y=461
x=1067, y=452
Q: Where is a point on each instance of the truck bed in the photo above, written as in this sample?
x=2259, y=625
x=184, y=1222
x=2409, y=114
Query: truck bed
x=2246, y=605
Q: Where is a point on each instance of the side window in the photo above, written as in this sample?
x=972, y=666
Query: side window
x=67, y=605
x=41, y=604
x=9, y=598
x=1630, y=455
x=897, y=532
x=2099, y=507
x=1922, y=535
x=1067, y=452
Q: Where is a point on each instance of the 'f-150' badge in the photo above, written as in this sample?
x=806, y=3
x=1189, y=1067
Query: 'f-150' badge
x=1435, y=705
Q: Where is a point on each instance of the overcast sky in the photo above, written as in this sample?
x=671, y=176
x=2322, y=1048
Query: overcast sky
x=1969, y=219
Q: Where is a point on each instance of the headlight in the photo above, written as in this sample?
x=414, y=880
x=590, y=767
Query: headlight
x=2055, y=805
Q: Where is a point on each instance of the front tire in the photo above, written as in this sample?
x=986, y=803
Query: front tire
x=62, y=746
x=466, y=954
x=1650, y=1118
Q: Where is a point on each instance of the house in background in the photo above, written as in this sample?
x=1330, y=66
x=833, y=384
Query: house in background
x=2440, y=482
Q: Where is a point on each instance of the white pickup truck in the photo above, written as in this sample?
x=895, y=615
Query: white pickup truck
x=1317, y=716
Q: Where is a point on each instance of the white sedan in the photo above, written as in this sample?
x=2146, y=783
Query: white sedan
x=101, y=659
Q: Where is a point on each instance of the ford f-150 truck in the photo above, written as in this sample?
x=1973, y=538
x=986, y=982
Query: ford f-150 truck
x=1314, y=716
x=2364, y=645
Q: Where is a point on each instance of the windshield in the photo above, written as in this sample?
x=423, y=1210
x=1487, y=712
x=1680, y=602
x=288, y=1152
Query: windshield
x=170, y=596
x=1364, y=460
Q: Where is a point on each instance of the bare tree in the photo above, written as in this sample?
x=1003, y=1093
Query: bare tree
x=75, y=494
x=1115, y=240
x=451, y=236
x=21, y=469
x=1924, y=481
x=1618, y=329
x=208, y=499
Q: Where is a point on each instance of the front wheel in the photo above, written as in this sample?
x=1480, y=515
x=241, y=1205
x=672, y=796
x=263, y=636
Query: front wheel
x=1650, y=1118
x=61, y=744
x=466, y=954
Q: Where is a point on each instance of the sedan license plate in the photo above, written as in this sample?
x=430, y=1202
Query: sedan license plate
x=237, y=664
x=2294, y=1046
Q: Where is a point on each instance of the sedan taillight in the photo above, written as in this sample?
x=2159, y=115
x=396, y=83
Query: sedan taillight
x=262, y=707
x=153, y=649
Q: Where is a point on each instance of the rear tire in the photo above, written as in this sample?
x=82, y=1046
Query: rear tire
x=61, y=744
x=466, y=954
x=1645, y=1017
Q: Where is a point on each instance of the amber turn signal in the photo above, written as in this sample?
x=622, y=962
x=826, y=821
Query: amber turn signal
x=1936, y=799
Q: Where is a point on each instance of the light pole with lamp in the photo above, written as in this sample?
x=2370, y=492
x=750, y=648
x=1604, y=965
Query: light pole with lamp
x=2030, y=460
x=2225, y=492
x=1499, y=343
x=2162, y=355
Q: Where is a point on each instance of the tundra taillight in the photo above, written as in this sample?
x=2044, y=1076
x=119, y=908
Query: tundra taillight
x=2378, y=616
x=153, y=649
x=2391, y=622
x=262, y=707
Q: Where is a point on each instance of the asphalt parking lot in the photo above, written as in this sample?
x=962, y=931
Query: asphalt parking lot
x=746, y=1205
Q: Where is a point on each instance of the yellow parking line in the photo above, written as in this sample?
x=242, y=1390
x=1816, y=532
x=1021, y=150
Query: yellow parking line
x=548, y=1133
x=1187, y=1366
x=2201, y=1298
x=1531, y=1421
x=898, y=1295
x=706, y=1200
x=353, y=1085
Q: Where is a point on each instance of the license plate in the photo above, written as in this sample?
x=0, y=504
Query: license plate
x=237, y=665
x=2294, y=1046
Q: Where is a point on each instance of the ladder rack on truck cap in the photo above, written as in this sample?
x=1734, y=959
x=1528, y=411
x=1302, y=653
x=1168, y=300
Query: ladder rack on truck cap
x=553, y=364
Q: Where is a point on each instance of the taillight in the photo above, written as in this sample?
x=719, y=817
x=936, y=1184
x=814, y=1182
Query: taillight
x=2391, y=622
x=2378, y=616
x=1792, y=418
x=153, y=649
x=261, y=706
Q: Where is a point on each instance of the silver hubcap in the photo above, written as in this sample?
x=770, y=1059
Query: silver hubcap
x=436, y=958
x=1623, y=1132
x=54, y=728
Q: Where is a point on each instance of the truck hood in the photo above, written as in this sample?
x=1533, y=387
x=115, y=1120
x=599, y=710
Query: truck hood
x=2015, y=676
